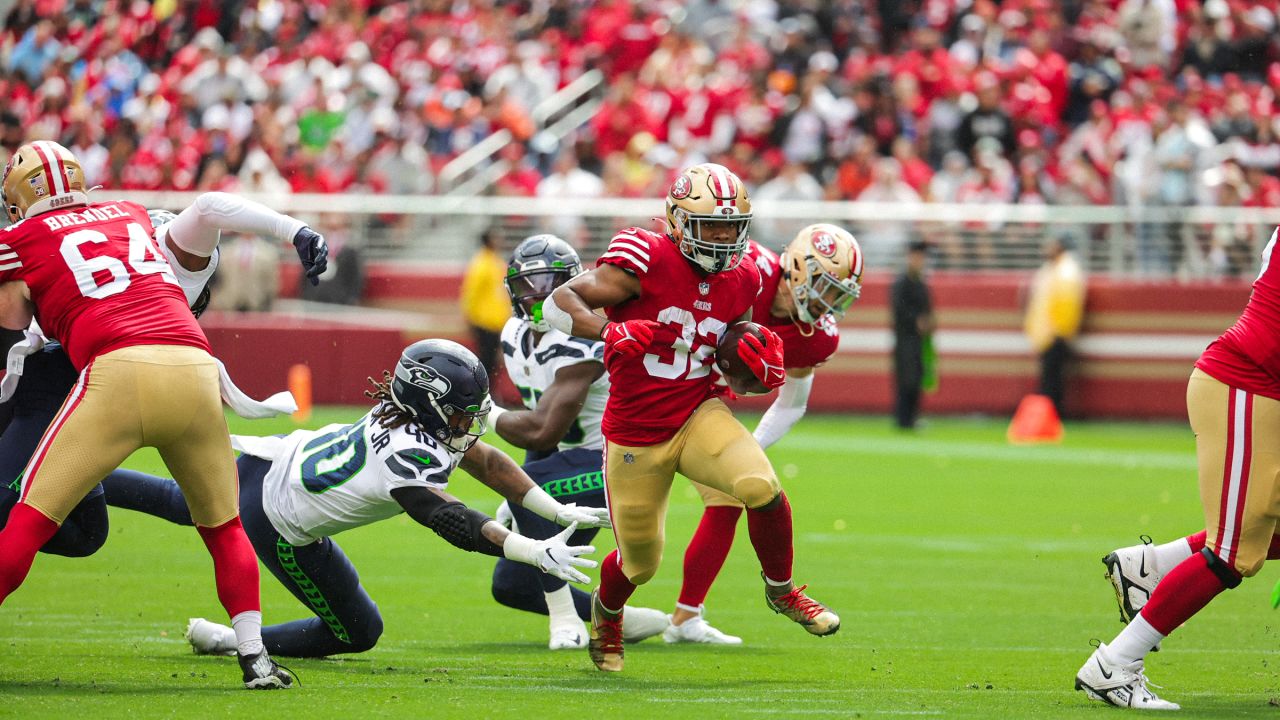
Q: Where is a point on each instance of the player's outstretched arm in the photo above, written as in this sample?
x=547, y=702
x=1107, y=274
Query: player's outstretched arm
x=474, y=531
x=196, y=232
x=787, y=408
x=545, y=426
x=493, y=468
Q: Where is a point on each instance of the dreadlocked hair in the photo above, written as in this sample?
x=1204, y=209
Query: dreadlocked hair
x=388, y=414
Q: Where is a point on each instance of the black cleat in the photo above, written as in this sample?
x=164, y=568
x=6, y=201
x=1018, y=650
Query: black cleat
x=263, y=673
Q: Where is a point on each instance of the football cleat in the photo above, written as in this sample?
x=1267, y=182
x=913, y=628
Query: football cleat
x=210, y=638
x=605, y=645
x=1134, y=575
x=791, y=601
x=697, y=630
x=263, y=673
x=642, y=623
x=1120, y=685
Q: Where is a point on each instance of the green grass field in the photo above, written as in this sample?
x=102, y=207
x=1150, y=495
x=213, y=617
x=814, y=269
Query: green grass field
x=966, y=572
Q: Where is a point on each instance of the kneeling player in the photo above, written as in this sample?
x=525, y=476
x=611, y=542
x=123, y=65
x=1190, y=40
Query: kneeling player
x=564, y=386
x=297, y=491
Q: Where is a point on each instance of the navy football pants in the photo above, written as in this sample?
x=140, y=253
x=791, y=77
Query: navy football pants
x=47, y=379
x=319, y=575
x=571, y=476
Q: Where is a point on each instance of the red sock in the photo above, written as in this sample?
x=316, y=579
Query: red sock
x=707, y=552
x=27, y=531
x=771, y=537
x=1273, y=552
x=1183, y=592
x=1197, y=541
x=615, y=588
x=235, y=566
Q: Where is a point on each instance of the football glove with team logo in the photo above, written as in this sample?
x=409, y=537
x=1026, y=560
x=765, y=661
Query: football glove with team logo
x=629, y=338
x=313, y=251
x=764, y=359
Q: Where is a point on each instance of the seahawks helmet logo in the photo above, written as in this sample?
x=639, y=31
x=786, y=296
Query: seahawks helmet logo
x=427, y=378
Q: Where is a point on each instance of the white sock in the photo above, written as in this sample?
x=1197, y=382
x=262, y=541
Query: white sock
x=560, y=607
x=1171, y=554
x=248, y=628
x=1134, y=642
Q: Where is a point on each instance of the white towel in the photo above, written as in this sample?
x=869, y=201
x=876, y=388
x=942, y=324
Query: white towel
x=30, y=343
x=282, y=403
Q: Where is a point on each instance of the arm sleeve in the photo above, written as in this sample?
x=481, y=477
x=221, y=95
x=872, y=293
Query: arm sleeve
x=629, y=251
x=788, y=408
x=197, y=229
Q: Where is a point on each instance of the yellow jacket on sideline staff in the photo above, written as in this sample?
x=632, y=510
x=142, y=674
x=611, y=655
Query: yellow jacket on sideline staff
x=484, y=300
x=1056, y=306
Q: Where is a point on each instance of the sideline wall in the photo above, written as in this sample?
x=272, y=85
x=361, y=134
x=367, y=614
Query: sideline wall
x=1141, y=339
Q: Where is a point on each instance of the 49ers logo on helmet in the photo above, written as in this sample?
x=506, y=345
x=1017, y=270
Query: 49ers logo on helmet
x=825, y=244
x=681, y=188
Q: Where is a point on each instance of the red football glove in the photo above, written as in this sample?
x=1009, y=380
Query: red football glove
x=629, y=338
x=764, y=359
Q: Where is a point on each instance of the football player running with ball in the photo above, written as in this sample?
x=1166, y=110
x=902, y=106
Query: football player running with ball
x=99, y=284
x=805, y=293
x=667, y=301
x=1233, y=403
x=298, y=491
x=564, y=388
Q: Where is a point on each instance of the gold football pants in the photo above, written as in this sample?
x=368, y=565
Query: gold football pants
x=712, y=449
x=1239, y=465
x=160, y=396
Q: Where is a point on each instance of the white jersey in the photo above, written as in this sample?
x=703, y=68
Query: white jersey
x=533, y=368
x=192, y=282
x=339, y=477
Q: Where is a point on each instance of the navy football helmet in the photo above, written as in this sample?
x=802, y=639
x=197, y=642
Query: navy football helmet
x=446, y=390
x=538, y=265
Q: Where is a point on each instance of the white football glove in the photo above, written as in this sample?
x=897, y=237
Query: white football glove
x=552, y=556
x=587, y=517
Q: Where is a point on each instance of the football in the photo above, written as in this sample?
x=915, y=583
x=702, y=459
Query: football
x=740, y=378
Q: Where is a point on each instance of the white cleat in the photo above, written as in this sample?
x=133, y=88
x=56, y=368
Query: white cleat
x=1134, y=575
x=210, y=638
x=698, y=630
x=639, y=623
x=568, y=636
x=1120, y=685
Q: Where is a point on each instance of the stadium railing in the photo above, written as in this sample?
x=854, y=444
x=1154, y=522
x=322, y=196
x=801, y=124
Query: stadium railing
x=1199, y=242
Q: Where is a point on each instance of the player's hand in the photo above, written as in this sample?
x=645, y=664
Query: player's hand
x=313, y=251
x=587, y=517
x=555, y=556
x=764, y=359
x=629, y=338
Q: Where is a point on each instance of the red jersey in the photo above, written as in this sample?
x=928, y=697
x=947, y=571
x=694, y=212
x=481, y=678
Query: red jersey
x=798, y=350
x=1247, y=355
x=651, y=397
x=98, y=280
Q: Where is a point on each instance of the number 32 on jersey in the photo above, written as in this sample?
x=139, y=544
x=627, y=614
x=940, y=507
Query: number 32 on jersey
x=689, y=354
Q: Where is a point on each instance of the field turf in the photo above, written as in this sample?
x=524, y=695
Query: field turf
x=966, y=572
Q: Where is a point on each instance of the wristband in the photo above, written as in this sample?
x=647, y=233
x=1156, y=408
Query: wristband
x=538, y=502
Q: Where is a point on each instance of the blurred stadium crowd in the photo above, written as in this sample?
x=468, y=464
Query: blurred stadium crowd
x=1167, y=102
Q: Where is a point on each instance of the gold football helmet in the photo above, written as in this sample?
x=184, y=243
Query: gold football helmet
x=822, y=269
x=708, y=215
x=42, y=176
